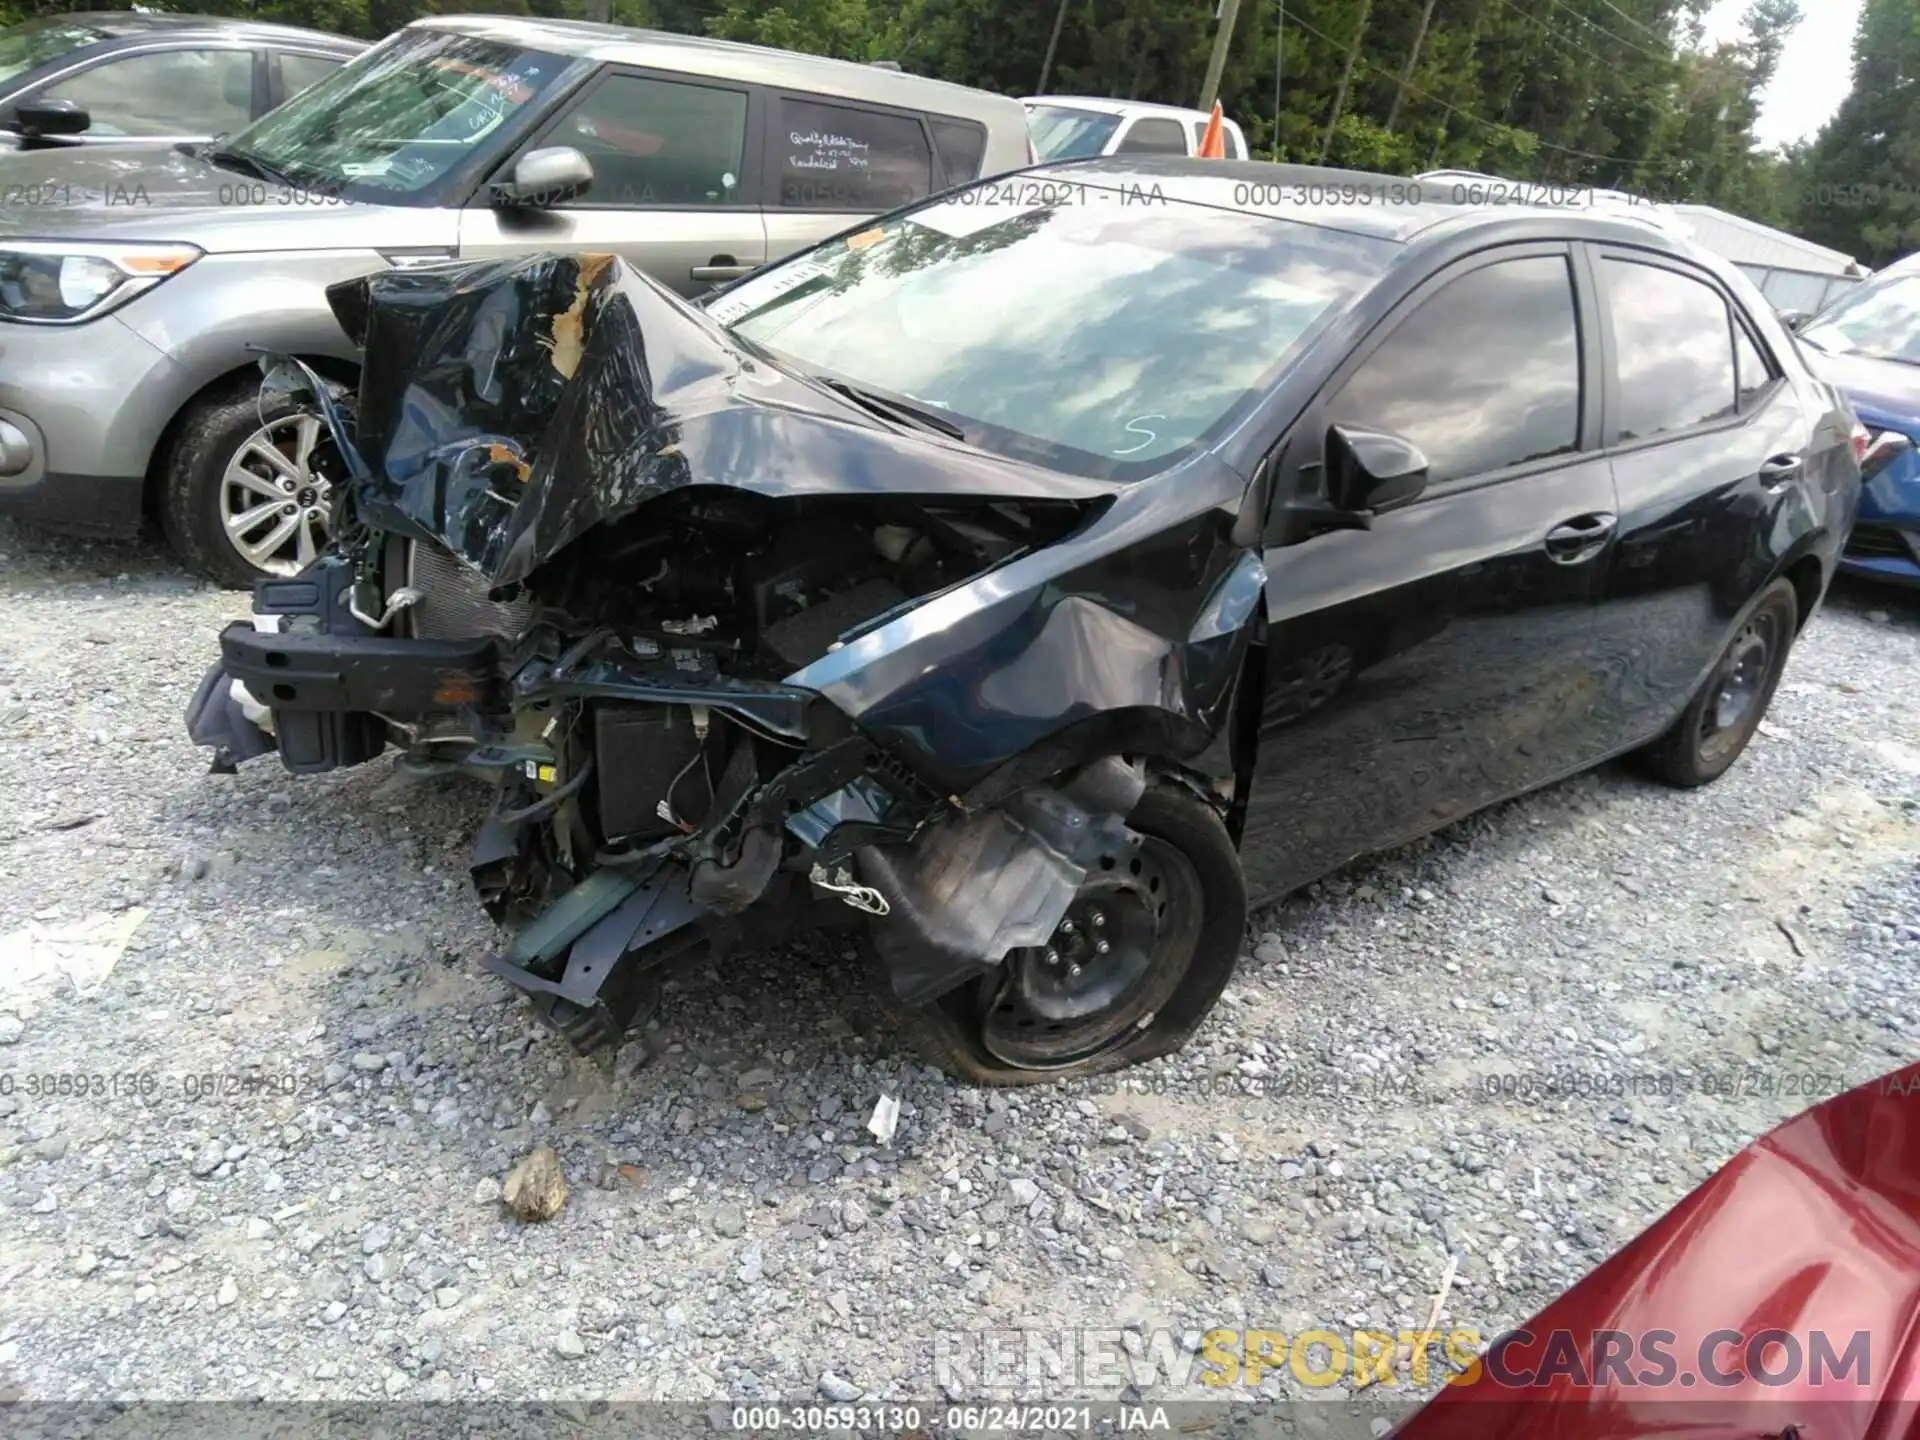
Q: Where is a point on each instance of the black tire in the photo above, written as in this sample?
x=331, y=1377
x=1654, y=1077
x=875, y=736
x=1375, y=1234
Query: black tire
x=948, y=1032
x=210, y=434
x=1708, y=737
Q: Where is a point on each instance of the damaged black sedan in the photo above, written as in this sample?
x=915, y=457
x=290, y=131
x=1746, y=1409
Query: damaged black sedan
x=1034, y=577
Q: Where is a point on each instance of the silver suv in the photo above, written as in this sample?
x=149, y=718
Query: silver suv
x=135, y=287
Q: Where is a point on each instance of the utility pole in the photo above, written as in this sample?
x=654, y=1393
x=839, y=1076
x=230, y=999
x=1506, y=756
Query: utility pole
x=1413, y=63
x=1210, y=91
x=1053, y=44
x=1279, y=66
x=599, y=10
x=1346, y=79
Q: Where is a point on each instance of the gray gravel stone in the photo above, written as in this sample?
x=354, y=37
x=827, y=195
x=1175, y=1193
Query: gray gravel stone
x=833, y=1387
x=1336, y=1090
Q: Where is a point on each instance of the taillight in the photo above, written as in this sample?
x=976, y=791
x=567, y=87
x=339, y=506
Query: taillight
x=1862, y=442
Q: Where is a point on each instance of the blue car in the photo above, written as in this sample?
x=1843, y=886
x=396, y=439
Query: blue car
x=1868, y=344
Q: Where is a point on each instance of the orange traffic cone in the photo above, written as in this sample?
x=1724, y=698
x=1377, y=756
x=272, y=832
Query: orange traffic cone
x=1213, y=144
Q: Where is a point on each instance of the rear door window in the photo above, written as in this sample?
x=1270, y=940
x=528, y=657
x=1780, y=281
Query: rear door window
x=837, y=157
x=1153, y=136
x=1672, y=347
x=299, y=72
x=1755, y=374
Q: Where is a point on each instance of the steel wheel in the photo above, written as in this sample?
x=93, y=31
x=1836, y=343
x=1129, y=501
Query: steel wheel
x=275, y=498
x=1709, y=735
x=1739, y=686
x=1126, y=941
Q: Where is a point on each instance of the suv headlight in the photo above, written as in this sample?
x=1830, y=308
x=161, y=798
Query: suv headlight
x=59, y=282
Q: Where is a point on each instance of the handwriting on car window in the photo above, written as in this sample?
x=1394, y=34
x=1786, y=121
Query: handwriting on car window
x=825, y=150
x=1134, y=427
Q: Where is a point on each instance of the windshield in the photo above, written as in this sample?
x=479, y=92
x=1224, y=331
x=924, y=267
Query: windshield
x=390, y=125
x=25, y=47
x=1062, y=133
x=1880, y=320
x=1099, y=335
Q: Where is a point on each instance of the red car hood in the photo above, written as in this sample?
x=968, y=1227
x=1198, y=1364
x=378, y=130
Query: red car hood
x=1812, y=1233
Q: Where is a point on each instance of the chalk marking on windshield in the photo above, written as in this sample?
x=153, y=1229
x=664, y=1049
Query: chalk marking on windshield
x=1152, y=435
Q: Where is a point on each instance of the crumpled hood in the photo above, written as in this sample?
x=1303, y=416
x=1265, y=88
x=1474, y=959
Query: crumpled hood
x=1884, y=390
x=507, y=408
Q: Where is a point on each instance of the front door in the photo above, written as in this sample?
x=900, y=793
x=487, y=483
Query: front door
x=164, y=96
x=675, y=185
x=1446, y=657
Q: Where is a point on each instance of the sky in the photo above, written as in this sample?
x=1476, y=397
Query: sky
x=1816, y=71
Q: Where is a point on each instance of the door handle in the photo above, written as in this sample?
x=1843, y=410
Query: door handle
x=1781, y=469
x=716, y=273
x=1581, y=538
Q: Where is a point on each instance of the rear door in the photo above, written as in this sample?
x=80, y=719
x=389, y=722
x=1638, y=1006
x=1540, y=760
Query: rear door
x=831, y=161
x=296, y=70
x=1446, y=657
x=676, y=188
x=1709, y=447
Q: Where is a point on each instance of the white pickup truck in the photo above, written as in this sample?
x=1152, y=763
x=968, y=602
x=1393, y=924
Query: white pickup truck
x=1067, y=127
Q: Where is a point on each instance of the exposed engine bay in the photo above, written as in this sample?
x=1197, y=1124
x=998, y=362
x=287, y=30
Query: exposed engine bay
x=740, y=659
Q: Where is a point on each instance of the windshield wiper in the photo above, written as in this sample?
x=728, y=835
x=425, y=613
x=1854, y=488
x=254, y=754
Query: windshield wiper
x=888, y=408
x=248, y=165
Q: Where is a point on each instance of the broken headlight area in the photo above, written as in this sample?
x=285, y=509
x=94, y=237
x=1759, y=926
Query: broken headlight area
x=590, y=553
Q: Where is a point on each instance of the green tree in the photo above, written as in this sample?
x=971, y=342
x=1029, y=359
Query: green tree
x=1621, y=93
x=1858, y=184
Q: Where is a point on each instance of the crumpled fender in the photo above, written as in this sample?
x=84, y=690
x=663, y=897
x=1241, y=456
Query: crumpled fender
x=1131, y=632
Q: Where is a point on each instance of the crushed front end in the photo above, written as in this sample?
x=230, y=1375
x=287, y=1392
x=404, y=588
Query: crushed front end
x=737, y=659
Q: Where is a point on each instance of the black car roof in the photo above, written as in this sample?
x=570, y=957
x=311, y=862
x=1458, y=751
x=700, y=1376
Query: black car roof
x=128, y=24
x=1390, y=207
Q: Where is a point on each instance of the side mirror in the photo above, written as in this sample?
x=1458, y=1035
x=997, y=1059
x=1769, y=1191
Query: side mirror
x=1794, y=319
x=1887, y=447
x=37, y=118
x=1367, y=473
x=544, y=177
x=1373, y=471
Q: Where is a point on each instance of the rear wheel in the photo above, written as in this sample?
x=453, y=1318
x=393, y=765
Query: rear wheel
x=248, y=486
x=1716, y=726
x=1146, y=947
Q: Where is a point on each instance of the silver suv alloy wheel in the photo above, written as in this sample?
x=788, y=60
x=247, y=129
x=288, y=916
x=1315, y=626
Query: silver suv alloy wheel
x=273, y=503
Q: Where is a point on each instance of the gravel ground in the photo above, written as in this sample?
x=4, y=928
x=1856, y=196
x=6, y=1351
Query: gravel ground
x=1332, y=1136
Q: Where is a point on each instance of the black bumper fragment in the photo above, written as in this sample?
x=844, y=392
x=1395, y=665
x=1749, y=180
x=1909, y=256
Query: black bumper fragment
x=299, y=671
